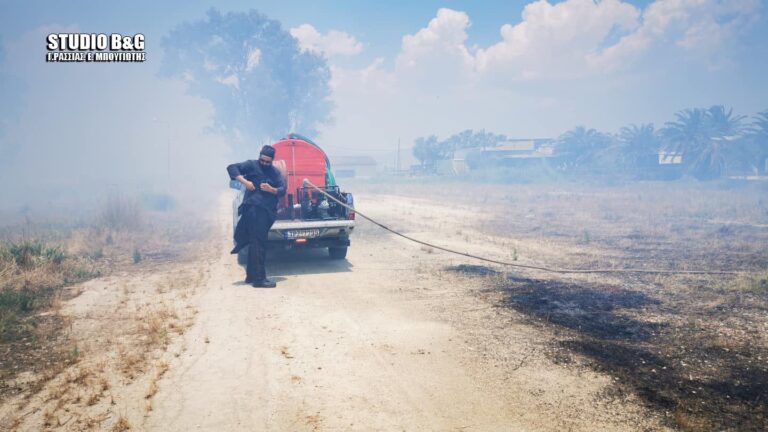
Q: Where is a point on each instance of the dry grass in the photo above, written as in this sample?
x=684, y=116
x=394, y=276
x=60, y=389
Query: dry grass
x=314, y=421
x=690, y=423
x=642, y=218
x=155, y=324
x=127, y=355
x=120, y=213
x=162, y=368
x=50, y=419
x=130, y=338
x=693, y=348
x=93, y=399
x=152, y=390
x=37, y=262
x=286, y=353
x=121, y=425
x=690, y=346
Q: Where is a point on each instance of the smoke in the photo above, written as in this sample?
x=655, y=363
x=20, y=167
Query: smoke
x=81, y=131
x=252, y=71
x=72, y=134
x=10, y=90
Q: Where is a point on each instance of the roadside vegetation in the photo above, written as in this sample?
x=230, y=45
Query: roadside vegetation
x=702, y=143
x=41, y=264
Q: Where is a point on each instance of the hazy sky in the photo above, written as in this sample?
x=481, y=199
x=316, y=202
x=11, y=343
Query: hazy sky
x=401, y=69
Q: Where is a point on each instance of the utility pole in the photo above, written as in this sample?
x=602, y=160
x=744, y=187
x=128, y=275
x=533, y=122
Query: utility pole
x=397, y=165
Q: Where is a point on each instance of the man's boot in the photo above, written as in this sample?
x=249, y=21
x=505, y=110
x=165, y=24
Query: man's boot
x=264, y=283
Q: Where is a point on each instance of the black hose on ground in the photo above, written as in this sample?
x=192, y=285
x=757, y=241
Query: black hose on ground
x=526, y=266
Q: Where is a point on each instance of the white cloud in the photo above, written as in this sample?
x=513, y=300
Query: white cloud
x=702, y=26
x=444, y=37
x=333, y=43
x=604, y=63
x=372, y=78
x=554, y=41
x=571, y=39
x=254, y=56
x=230, y=80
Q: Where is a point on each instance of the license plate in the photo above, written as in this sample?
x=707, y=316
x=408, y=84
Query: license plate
x=303, y=233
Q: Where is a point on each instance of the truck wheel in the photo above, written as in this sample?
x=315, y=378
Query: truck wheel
x=337, y=252
x=242, y=256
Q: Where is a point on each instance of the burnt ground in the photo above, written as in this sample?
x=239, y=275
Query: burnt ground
x=40, y=353
x=693, y=347
x=698, y=359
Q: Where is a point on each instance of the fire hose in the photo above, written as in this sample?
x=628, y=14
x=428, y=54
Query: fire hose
x=307, y=183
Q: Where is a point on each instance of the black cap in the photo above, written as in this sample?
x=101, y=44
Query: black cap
x=268, y=150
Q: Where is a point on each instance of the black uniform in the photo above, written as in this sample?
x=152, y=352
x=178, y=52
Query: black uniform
x=257, y=214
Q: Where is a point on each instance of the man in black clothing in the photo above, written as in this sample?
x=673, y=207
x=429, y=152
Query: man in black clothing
x=264, y=185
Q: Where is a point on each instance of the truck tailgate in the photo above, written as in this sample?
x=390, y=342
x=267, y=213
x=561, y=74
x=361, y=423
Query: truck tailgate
x=289, y=229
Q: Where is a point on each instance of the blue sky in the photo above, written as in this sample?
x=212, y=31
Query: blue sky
x=379, y=25
x=403, y=69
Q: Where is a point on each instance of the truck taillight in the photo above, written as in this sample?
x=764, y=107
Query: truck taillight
x=351, y=215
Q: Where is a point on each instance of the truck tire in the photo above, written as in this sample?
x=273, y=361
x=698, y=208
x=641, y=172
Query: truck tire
x=337, y=252
x=242, y=256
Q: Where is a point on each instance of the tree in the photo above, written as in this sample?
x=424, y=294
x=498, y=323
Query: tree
x=637, y=147
x=471, y=139
x=580, y=147
x=260, y=84
x=428, y=151
x=457, y=141
x=705, y=137
x=756, y=148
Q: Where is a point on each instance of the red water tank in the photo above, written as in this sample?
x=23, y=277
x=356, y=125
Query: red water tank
x=300, y=160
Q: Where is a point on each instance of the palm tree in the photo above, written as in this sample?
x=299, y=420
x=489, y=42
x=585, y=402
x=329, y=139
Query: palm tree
x=756, y=149
x=705, y=137
x=581, y=146
x=639, y=145
x=759, y=127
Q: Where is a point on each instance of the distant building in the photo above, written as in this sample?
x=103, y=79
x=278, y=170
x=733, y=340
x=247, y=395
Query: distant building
x=510, y=152
x=670, y=158
x=455, y=166
x=354, y=166
x=520, y=149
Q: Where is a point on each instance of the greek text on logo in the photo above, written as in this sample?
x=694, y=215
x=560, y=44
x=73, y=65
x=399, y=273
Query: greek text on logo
x=95, y=47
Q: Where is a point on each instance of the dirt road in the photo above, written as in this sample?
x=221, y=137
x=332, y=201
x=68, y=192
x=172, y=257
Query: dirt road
x=369, y=343
x=404, y=337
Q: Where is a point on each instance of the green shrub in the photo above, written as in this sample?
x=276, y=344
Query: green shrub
x=758, y=284
x=5, y=254
x=16, y=304
x=24, y=253
x=17, y=300
x=81, y=274
x=54, y=254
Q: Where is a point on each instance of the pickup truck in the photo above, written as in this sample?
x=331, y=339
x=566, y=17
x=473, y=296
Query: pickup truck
x=305, y=217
